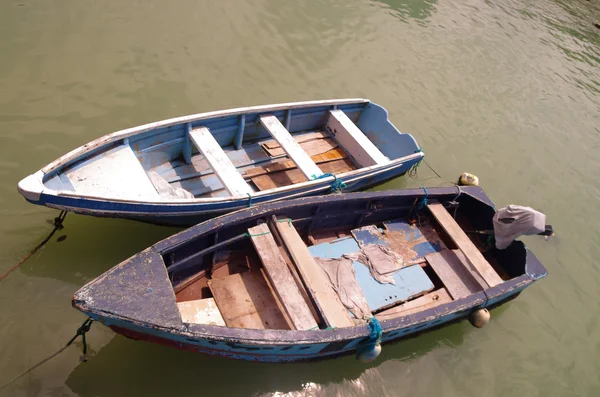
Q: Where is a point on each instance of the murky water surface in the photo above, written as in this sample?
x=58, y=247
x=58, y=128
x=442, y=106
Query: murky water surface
x=507, y=89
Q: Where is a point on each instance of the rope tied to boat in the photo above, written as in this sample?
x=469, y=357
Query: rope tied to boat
x=58, y=225
x=81, y=331
x=336, y=186
x=249, y=200
x=374, y=339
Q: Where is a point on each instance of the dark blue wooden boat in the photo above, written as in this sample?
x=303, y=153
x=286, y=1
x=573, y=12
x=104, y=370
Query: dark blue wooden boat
x=188, y=169
x=251, y=284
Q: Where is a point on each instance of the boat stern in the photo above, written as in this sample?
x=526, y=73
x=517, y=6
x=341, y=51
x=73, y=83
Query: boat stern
x=31, y=187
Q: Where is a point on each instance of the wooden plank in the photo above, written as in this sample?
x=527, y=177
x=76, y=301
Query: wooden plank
x=219, y=162
x=472, y=271
x=331, y=155
x=272, y=144
x=281, y=278
x=201, y=311
x=351, y=138
x=316, y=146
x=427, y=301
x=317, y=284
x=456, y=278
x=290, y=177
x=291, y=147
x=245, y=301
x=463, y=242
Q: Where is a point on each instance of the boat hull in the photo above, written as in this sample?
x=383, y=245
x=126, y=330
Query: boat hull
x=193, y=213
x=315, y=350
x=136, y=317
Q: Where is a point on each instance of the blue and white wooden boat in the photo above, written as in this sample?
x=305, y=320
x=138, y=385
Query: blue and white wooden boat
x=248, y=285
x=188, y=169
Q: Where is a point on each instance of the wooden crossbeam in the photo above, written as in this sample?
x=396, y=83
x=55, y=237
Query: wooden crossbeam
x=352, y=139
x=291, y=147
x=465, y=244
x=281, y=278
x=219, y=162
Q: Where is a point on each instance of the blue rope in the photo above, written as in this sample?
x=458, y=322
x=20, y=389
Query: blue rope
x=375, y=335
x=249, y=200
x=336, y=186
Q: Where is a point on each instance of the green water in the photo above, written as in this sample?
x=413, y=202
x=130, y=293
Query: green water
x=508, y=90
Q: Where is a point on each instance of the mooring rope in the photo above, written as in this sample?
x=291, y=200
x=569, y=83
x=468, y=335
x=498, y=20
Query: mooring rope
x=57, y=226
x=81, y=331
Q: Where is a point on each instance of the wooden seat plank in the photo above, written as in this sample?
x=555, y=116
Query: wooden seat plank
x=356, y=143
x=463, y=242
x=427, y=301
x=201, y=311
x=219, y=162
x=281, y=278
x=245, y=301
x=326, y=299
x=291, y=147
x=457, y=279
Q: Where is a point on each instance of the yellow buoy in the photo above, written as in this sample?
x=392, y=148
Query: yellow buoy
x=479, y=317
x=467, y=179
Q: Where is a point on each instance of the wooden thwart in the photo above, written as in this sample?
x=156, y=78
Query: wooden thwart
x=289, y=177
x=245, y=301
x=326, y=299
x=351, y=138
x=291, y=147
x=331, y=155
x=219, y=162
x=463, y=242
x=427, y=301
x=273, y=144
x=281, y=278
x=457, y=279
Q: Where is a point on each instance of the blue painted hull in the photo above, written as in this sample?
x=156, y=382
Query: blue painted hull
x=193, y=213
x=407, y=327
x=122, y=299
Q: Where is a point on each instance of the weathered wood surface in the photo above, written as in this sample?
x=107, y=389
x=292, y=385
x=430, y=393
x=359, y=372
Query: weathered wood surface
x=291, y=147
x=456, y=277
x=331, y=155
x=463, y=242
x=427, y=301
x=201, y=311
x=326, y=299
x=245, y=301
x=351, y=138
x=281, y=278
x=311, y=148
x=116, y=174
x=273, y=144
x=219, y=162
x=290, y=177
x=472, y=271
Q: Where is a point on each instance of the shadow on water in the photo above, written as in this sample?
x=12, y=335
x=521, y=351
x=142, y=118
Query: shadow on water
x=92, y=246
x=405, y=10
x=126, y=367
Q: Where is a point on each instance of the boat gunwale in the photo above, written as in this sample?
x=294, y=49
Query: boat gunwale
x=356, y=174
x=270, y=336
x=128, y=132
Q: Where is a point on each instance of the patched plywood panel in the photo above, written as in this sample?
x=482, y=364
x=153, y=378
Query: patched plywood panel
x=201, y=311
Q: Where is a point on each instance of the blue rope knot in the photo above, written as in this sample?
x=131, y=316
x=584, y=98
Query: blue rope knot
x=336, y=186
x=423, y=203
x=375, y=335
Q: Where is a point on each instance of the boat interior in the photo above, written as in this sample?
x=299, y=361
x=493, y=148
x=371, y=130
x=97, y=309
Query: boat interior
x=235, y=155
x=301, y=271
